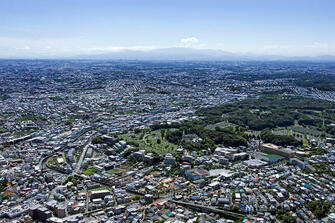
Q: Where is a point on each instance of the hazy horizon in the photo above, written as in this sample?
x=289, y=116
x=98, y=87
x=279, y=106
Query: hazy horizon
x=60, y=28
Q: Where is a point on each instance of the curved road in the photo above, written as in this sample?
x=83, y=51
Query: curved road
x=42, y=163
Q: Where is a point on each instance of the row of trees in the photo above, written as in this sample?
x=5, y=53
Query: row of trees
x=285, y=216
x=280, y=140
x=264, y=113
x=3, y=185
x=226, y=136
x=271, y=111
x=258, y=122
x=320, y=209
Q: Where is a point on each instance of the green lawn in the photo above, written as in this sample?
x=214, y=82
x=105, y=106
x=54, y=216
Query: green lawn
x=31, y=117
x=149, y=142
x=90, y=171
x=305, y=142
x=114, y=171
x=53, y=160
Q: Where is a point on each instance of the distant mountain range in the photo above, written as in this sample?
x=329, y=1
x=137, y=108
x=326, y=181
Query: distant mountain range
x=182, y=53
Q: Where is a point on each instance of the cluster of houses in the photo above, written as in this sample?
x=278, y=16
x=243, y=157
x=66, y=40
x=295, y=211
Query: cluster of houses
x=50, y=172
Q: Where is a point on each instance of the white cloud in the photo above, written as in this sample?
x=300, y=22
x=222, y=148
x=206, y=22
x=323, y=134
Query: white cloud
x=66, y=47
x=187, y=42
x=59, y=47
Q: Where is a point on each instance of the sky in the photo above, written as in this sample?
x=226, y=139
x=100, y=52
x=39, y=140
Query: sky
x=56, y=28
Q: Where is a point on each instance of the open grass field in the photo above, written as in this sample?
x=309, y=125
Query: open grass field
x=114, y=171
x=150, y=142
x=219, y=124
x=90, y=171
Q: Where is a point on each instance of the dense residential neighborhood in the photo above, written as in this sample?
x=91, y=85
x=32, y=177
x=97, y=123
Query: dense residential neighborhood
x=131, y=141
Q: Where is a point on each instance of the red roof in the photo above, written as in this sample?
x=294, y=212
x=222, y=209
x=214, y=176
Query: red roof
x=157, y=202
x=202, y=172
